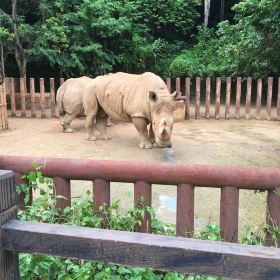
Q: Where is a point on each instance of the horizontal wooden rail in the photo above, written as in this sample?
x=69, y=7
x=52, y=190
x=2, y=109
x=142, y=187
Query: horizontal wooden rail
x=255, y=178
x=138, y=249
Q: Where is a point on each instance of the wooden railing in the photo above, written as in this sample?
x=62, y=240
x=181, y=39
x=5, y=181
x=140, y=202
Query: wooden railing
x=191, y=95
x=185, y=176
x=163, y=253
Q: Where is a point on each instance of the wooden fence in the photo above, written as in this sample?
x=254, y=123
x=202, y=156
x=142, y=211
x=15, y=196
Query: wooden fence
x=164, y=253
x=227, y=97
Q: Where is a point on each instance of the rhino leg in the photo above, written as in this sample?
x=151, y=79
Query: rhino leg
x=109, y=123
x=65, y=122
x=101, y=124
x=89, y=127
x=151, y=134
x=141, y=126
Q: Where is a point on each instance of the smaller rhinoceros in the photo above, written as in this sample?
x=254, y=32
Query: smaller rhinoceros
x=142, y=99
x=70, y=101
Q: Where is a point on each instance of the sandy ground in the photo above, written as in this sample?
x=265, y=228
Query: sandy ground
x=231, y=142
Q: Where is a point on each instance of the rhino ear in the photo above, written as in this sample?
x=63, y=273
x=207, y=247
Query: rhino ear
x=174, y=94
x=153, y=96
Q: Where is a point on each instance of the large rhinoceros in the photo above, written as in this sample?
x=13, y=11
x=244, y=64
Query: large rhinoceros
x=141, y=99
x=70, y=101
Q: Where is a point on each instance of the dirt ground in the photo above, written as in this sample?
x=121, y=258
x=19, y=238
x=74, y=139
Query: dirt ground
x=227, y=142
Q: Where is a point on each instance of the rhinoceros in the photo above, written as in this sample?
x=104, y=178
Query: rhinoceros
x=70, y=101
x=141, y=99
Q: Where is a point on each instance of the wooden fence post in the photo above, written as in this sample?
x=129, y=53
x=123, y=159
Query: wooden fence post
x=259, y=100
x=278, y=100
x=178, y=86
x=248, y=98
x=9, y=264
x=208, y=98
x=52, y=91
x=188, y=95
x=238, y=96
x=43, y=97
x=218, y=98
x=22, y=96
x=228, y=91
x=168, y=84
x=32, y=98
x=269, y=97
x=13, y=98
x=197, y=98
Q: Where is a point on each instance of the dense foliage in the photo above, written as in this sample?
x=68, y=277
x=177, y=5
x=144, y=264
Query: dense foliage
x=76, y=37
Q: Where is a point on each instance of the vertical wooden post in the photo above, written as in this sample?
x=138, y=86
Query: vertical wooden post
x=197, y=98
x=3, y=108
x=273, y=217
x=228, y=92
x=168, y=84
x=238, y=97
x=229, y=214
x=248, y=98
x=218, y=98
x=22, y=96
x=185, y=210
x=269, y=97
x=259, y=100
x=278, y=100
x=142, y=198
x=52, y=91
x=13, y=98
x=61, y=81
x=178, y=85
x=9, y=264
x=43, y=98
x=62, y=188
x=188, y=95
x=32, y=98
x=208, y=98
x=101, y=194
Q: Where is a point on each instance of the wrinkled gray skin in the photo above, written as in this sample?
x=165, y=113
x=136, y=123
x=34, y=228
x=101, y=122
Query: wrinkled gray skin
x=70, y=100
x=141, y=99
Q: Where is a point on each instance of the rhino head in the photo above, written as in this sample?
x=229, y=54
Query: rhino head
x=162, y=106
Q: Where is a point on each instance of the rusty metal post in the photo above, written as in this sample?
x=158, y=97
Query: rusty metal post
x=142, y=198
x=185, y=210
x=178, y=84
x=168, y=84
x=101, y=194
x=229, y=214
x=188, y=94
x=62, y=188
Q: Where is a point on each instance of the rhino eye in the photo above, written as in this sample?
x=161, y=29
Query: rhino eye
x=152, y=96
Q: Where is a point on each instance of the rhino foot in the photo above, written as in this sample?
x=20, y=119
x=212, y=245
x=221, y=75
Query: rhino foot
x=107, y=137
x=146, y=145
x=69, y=130
x=91, y=138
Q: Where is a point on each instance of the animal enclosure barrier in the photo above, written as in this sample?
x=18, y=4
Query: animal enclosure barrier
x=202, y=97
x=3, y=109
x=186, y=177
x=175, y=254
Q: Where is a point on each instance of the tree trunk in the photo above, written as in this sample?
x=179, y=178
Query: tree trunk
x=19, y=50
x=206, y=12
x=222, y=13
x=2, y=70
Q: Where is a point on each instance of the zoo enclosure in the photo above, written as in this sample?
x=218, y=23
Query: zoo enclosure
x=199, y=86
x=137, y=249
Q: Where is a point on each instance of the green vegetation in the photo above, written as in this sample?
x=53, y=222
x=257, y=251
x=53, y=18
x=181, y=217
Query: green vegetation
x=43, y=209
x=84, y=37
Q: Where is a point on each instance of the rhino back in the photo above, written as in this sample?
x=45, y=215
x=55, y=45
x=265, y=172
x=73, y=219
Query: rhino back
x=126, y=95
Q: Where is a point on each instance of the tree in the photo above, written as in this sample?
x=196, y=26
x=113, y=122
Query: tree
x=206, y=12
